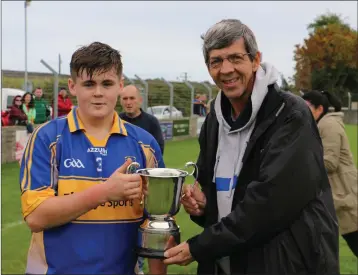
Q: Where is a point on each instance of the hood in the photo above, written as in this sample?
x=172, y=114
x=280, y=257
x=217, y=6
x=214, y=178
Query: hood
x=337, y=116
x=265, y=76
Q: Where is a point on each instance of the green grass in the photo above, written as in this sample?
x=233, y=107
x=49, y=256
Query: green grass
x=16, y=237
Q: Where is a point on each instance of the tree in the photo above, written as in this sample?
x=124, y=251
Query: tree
x=325, y=20
x=284, y=84
x=327, y=59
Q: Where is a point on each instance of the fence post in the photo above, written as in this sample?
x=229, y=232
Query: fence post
x=55, y=88
x=191, y=97
x=171, y=90
x=209, y=89
x=145, y=83
x=349, y=101
x=130, y=80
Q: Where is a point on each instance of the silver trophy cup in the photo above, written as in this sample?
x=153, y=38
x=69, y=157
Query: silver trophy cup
x=161, y=204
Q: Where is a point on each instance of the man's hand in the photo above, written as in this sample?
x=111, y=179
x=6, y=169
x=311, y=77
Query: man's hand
x=121, y=186
x=179, y=254
x=193, y=200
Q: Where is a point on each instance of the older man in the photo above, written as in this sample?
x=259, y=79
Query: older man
x=131, y=101
x=265, y=201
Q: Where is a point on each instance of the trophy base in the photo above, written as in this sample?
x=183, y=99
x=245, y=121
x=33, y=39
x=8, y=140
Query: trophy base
x=154, y=236
x=150, y=253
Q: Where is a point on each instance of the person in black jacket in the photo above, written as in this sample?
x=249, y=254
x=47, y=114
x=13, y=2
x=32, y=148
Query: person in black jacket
x=131, y=101
x=265, y=202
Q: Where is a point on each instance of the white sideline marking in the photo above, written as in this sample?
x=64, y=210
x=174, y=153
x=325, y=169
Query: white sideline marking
x=11, y=225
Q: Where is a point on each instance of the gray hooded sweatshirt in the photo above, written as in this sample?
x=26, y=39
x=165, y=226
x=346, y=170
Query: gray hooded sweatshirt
x=232, y=145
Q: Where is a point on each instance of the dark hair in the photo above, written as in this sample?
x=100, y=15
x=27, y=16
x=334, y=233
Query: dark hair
x=95, y=58
x=14, y=99
x=317, y=98
x=31, y=103
x=62, y=88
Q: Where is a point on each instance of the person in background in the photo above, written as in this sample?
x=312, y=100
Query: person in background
x=18, y=116
x=199, y=106
x=131, y=101
x=64, y=103
x=41, y=106
x=338, y=159
x=28, y=106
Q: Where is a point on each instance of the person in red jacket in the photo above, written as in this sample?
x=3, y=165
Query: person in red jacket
x=64, y=103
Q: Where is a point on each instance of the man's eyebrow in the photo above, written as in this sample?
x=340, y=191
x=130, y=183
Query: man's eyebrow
x=88, y=81
x=232, y=54
x=108, y=80
x=215, y=57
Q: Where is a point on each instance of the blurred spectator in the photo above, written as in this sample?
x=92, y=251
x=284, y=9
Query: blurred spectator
x=338, y=159
x=64, y=103
x=131, y=101
x=199, y=106
x=18, y=116
x=28, y=106
x=41, y=107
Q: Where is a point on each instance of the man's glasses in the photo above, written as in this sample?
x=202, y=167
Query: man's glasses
x=235, y=59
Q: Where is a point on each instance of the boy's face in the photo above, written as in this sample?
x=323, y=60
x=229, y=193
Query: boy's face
x=96, y=97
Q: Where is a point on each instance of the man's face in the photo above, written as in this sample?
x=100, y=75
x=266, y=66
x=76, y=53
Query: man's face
x=96, y=97
x=131, y=100
x=63, y=93
x=233, y=78
x=38, y=93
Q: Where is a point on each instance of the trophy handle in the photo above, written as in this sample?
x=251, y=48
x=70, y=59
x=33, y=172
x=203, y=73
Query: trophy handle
x=195, y=172
x=132, y=169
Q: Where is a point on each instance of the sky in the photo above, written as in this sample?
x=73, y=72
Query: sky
x=156, y=39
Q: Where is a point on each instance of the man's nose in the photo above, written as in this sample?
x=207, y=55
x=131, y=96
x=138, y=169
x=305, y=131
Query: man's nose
x=98, y=91
x=227, y=67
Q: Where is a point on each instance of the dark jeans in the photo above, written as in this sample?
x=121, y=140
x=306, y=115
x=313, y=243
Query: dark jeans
x=352, y=241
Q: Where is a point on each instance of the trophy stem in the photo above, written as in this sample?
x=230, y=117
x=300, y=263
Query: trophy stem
x=160, y=217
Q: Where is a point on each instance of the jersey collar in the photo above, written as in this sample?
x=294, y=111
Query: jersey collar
x=75, y=123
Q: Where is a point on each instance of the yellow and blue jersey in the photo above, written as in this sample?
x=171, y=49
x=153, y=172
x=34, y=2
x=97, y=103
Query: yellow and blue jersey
x=61, y=159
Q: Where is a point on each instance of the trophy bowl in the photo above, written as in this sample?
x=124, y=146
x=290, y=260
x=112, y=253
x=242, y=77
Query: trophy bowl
x=161, y=204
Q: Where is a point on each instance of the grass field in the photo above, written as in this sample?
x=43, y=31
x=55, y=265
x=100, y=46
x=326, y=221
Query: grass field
x=16, y=236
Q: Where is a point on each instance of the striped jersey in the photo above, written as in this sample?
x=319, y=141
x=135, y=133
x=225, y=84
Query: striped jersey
x=61, y=159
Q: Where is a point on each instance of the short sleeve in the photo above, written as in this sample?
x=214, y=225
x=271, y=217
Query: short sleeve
x=37, y=172
x=153, y=154
x=157, y=154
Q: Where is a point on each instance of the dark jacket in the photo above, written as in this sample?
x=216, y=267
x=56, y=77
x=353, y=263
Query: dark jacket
x=283, y=219
x=16, y=114
x=149, y=123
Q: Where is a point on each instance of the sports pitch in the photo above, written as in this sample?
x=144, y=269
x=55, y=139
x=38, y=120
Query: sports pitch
x=15, y=236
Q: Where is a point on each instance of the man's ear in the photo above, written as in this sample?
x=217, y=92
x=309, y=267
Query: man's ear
x=121, y=85
x=71, y=86
x=256, y=62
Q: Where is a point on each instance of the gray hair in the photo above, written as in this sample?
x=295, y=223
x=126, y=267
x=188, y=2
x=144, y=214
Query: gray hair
x=226, y=32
